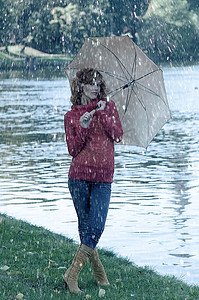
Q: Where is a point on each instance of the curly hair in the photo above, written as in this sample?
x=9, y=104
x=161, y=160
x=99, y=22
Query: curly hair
x=86, y=76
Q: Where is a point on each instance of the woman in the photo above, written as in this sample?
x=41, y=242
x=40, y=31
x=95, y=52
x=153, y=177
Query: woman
x=91, y=126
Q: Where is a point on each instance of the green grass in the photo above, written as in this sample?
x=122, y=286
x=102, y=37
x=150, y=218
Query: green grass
x=33, y=261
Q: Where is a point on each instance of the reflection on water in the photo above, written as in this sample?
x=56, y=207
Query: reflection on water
x=154, y=209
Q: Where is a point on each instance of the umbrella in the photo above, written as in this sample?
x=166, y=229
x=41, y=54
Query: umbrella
x=135, y=83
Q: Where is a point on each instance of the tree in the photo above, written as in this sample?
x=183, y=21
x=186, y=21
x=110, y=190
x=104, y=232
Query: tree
x=169, y=31
x=6, y=18
x=62, y=25
x=28, y=22
x=77, y=21
x=80, y=19
x=123, y=16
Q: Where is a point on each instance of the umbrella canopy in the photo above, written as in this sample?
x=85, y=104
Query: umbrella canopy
x=134, y=82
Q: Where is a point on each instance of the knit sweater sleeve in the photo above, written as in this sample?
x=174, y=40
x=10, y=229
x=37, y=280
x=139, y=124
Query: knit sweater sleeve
x=75, y=135
x=111, y=121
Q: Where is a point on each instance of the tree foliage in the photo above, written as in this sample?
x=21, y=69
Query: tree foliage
x=165, y=29
x=61, y=25
x=170, y=30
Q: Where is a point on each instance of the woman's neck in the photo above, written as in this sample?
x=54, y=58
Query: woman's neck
x=85, y=100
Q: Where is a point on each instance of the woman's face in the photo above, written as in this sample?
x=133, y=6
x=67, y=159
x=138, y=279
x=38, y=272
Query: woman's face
x=92, y=90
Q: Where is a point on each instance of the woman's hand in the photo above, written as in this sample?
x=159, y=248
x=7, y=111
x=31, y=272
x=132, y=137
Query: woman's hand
x=85, y=119
x=101, y=105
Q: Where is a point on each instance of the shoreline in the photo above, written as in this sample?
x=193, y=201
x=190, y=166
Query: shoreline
x=20, y=57
x=23, y=58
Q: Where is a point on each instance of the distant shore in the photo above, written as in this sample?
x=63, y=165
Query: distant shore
x=19, y=57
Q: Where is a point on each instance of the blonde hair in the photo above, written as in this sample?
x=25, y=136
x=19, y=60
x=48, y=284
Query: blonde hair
x=86, y=76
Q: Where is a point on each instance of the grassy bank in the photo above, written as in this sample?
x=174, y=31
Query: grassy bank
x=33, y=260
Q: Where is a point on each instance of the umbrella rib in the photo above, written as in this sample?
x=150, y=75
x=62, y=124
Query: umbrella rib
x=150, y=91
x=120, y=63
x=147, y=89
x=134, y=62
x=112, y=94
x=120, y=88
x=136, y=81
x=113, y=75
x=145, y=75
x=127, y=100
x=141, y=102
x=145, y=112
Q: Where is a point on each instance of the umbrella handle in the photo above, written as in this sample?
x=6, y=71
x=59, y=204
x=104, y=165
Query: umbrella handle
x=93, y=111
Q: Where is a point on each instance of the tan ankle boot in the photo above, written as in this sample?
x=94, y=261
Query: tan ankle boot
x=71, y=275
x=98, y=269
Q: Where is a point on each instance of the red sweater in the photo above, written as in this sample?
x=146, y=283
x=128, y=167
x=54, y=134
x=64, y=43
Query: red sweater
x=92, y=148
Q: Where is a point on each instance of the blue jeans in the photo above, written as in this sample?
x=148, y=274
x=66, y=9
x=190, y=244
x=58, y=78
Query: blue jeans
x=91, y=201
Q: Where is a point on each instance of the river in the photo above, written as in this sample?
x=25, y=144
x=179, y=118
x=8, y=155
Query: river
x=153, y=216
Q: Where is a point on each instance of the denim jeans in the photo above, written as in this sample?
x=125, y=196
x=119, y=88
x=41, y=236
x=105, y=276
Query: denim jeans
x=91, y=201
